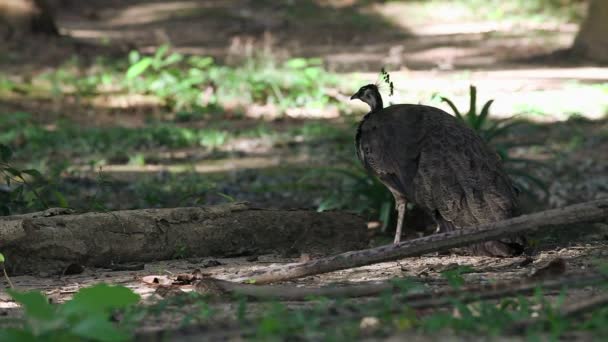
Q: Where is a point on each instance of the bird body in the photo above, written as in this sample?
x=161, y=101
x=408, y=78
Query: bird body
x=427, y=157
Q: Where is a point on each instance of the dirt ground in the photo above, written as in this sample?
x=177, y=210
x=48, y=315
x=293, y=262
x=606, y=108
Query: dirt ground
x=510, y=62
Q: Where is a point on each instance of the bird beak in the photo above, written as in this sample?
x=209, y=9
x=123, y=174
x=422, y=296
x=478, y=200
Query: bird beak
x=355, y=96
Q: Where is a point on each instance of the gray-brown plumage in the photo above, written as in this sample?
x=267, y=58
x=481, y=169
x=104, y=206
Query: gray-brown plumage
x=425, y=156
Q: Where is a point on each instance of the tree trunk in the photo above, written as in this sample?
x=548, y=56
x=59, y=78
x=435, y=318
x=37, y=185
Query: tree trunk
x=27, y=16
x=48, y=242
x=592, y=39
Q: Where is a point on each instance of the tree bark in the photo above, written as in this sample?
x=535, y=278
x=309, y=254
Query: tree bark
x=545, y=220
x=592, y=38
x=34, y=243
x=27, y=16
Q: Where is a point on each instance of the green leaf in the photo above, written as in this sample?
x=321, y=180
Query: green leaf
x=101, y=299
x=472, y=102
x=5, y=153
x=63, y=203
x=34, y=303
x=498, y=130
x=34, y=173
x=13, y=334
x=200, y=62
x=160, y=53
x=227, y=197
x=13, y=171
x=138, y=68
x=296, y=63
x=485, y=111
x=97, y=327
x=453, y=106
x=134, y=56
x=1, y=258
x=172, y=59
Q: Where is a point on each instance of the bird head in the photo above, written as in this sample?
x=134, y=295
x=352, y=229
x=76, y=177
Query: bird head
x=370, y=95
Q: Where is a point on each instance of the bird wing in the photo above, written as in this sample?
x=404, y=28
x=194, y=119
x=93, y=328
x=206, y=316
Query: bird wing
x=388, y=146
x=460, y=178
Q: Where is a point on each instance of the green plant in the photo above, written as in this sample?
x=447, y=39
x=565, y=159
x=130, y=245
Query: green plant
x=354, y=189
x=190, y=86
x=194, y=83
x=23, y=187
x=480, y=121
x=8, y=280
x=88, y=316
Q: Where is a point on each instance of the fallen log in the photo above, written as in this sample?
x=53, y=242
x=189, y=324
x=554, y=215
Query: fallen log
x=545, y=220
x=51, y=241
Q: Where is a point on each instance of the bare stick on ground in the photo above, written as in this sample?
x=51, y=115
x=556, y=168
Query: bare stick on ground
x=545, y=220
x=224, y=288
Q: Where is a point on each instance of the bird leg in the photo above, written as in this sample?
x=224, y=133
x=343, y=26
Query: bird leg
x=400, y=205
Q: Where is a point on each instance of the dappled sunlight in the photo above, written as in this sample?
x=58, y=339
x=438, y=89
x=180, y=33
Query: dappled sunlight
x=163, y=122
x=210, y=166
x=539, y=94
x=145, y=13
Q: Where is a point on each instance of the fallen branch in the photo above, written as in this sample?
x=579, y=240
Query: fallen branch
x=50, y=241
x=217, y=287
x=578, y=213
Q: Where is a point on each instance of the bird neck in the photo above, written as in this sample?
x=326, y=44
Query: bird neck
x=375, y=102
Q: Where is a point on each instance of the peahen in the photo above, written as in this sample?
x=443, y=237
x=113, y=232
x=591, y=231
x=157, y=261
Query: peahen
x=426, y=157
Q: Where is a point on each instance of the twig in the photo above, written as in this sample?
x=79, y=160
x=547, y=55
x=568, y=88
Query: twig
x=8, y=279
x=578, y=213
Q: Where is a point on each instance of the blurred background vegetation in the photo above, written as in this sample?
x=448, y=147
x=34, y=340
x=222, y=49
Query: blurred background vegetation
x=129, y=104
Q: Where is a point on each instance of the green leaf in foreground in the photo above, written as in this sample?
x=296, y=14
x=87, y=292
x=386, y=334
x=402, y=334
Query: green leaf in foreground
x=12, y=334
x=98, y=328
x=35, y=304
x=100, y=299
x=139, y=67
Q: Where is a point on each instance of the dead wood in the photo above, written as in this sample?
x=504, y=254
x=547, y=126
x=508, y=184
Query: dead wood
x=217, y=287
x=545, y=220
x=48, y=242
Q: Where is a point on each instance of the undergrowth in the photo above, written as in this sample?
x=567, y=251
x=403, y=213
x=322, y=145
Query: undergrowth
x=107, y=313
x=189, y=85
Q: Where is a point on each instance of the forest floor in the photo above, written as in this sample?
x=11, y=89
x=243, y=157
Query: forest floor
x=266, y=160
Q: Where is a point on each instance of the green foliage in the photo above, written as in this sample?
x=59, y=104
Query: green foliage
x=87, y=316
x=354, y=189
x=326, y=320
x=197, y=84
x=22, y=187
